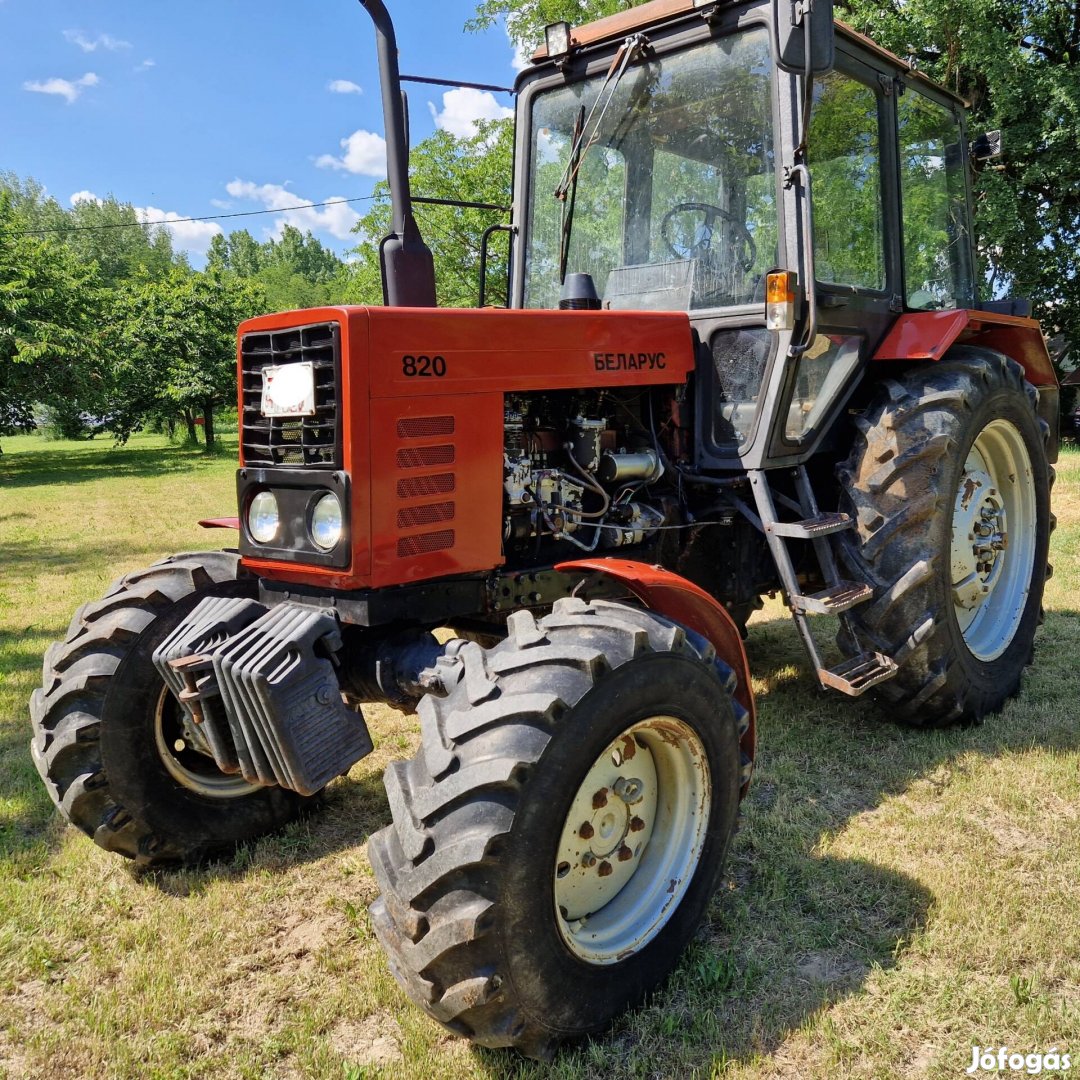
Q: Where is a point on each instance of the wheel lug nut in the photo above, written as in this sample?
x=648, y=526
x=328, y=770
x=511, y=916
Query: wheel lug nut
x=624, y=853
x=600, y=798
x=586, y=831
x=630, y=791
x=636, y=824
x=604, y=869
x=588, y=860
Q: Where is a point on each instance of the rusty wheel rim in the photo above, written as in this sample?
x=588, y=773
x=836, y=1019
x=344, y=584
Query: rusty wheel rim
x=184, y=761
x=632, y=839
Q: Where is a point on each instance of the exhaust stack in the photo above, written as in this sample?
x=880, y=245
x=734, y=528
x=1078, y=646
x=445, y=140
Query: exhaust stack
x=405, y=261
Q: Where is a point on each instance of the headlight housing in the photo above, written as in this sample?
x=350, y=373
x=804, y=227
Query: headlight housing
x=327, y=522
x=263, y=517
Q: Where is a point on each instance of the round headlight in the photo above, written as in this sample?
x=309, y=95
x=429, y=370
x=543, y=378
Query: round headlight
x=326, y=522
x=263, y=519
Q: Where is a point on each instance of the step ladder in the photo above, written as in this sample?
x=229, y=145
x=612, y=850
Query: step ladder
x=858, y=673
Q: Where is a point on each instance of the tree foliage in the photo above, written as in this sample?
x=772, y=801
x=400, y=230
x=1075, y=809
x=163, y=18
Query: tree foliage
x=50, y=304
x=444, y=166
x=175, y=345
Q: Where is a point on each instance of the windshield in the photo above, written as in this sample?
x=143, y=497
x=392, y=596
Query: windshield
x=675, y=201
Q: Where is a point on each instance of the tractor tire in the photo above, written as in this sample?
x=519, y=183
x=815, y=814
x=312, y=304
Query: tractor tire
x=107, y=733
x=949, y=487
x=556, y=840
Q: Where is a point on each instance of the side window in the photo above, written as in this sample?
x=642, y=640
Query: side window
x=937, y=251
x=845, y=158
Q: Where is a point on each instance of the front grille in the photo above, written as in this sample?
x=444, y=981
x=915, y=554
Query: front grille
x=314, y=441
x=416, y=487
x=425, y=456
x=420, y=427
x=414, y=516
x=425, y=543
x=426, y=514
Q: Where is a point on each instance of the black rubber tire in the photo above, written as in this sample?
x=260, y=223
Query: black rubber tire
x=900, y=485
x=467, y=912
x=93, y=719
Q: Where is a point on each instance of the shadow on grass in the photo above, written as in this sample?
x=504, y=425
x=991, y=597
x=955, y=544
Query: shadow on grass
x=344, y=816
x=24, y=559
x=43, y=468
x=794, y=931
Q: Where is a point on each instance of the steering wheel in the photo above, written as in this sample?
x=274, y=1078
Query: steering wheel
x=702, y=244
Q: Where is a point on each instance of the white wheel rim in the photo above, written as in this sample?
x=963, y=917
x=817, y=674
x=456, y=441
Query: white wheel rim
x=188, y=766
x=993, y=540
x=632, y=840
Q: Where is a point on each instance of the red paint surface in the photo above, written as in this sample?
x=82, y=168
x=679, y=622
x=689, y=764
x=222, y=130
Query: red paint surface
x=486, y=354
x=928, y=335
x=221, y=523
x=688, y=604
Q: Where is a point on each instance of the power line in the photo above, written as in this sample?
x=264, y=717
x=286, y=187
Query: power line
x=178, y=221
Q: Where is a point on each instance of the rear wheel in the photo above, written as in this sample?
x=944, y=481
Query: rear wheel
x=111, y=742
x=950, y=488
x=557, y=839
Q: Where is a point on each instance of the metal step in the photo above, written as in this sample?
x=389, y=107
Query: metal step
x=812, y=528
x=855, y=676
x=840, y=597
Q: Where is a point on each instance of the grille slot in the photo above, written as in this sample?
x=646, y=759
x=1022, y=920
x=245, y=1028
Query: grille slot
x=416, y=487
x=418, y=457
x=412, y=516
x=312, y=441
x=421, y=427
x=425, y=543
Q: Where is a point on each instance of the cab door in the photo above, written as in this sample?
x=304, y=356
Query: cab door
x=856, y=248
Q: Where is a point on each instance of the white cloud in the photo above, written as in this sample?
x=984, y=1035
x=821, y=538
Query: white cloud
x=521, y=58
x=102, y=41
x=336, y=219
x=344, y=86
x=192, y=236
x=365, y=155
x=463, y=107
x=221, y=204
x=85, y=197
x=66, y=88
x=146, y=65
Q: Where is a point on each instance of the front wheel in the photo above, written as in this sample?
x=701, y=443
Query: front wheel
x=113, y=745
x=556, y=841
x=950, y=490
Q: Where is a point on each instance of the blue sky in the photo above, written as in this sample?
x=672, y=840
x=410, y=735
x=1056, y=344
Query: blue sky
x=210, y=107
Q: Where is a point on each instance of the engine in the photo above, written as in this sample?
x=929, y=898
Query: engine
x=578, y=470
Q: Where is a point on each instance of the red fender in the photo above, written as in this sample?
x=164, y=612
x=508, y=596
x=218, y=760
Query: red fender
x=220, y=523
x=688, y=604
x=928, y=335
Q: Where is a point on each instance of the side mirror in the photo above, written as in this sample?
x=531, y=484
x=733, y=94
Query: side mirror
x=789, y=23
x=986, y=146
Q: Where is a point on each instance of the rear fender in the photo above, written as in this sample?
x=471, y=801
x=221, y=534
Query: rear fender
x=684, y=602
x=928, y=335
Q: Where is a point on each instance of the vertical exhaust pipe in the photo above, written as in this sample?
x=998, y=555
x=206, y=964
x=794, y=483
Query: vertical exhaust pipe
x=405, y=261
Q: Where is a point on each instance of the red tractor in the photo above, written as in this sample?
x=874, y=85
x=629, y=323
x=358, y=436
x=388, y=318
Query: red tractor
x=743, y=353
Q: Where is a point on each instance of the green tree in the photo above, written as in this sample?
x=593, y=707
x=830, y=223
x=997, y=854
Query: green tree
x=50, y=327
x=1018, y=63
x=526, y=19
x=294, y=271
x=476, y=169
x=175, y=348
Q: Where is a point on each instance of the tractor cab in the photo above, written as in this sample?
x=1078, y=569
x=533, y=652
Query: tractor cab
x=660, y=152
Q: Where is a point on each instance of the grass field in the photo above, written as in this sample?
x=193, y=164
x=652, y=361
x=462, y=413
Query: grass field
x=893, y=897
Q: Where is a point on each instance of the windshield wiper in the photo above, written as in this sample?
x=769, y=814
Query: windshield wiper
x=567, y=223
x=566, y=192
x=619, y=63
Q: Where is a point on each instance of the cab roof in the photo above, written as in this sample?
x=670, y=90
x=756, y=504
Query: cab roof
x=660, y=12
